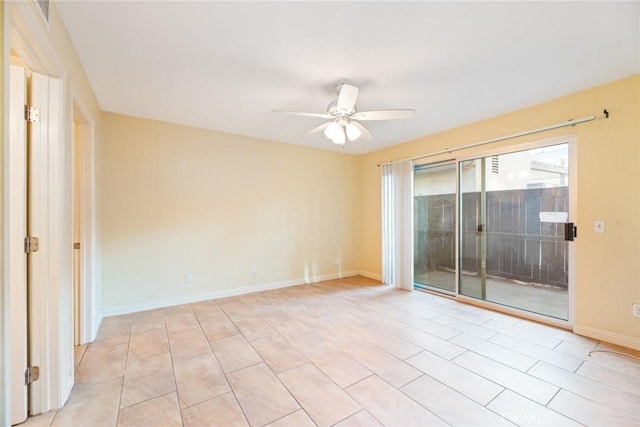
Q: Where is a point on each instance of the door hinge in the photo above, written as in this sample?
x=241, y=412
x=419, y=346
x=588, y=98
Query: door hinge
x=76, y=245
x=31, y=114
x=31, y=374
x=31, y=244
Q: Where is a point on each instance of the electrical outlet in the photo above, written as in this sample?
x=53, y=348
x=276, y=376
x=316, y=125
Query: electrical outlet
x=188, y=278
x=337, y=262
x=636, y=309
x=253, y=270
x=598, y=226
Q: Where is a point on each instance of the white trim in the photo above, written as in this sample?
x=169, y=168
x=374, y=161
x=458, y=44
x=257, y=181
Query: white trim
x=98, y=321
x=5, y=354
x=91, y=317
x=611, y=337
x=369, y=275
x=243, y=290
x=29, y=39
x=15, y=230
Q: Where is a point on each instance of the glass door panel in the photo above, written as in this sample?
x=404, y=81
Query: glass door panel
x=513, y=208
x=435, y=227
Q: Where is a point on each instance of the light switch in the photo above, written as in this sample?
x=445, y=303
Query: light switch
x=598, y=226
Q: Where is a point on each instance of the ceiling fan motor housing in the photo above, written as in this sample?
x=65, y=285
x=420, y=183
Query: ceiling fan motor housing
x=333, y=109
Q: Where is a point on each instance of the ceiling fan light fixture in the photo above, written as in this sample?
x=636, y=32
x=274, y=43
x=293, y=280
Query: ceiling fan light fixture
x=353, y=132
x=344, y=120
x=339, y=137
x=332, y=130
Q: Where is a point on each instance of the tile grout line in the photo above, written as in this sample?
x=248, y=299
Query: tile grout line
x=276, y=375
x=173, y=367
x=124, y=370
x=226, y=378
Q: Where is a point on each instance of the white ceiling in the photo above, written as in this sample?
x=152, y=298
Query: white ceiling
x=226, y=65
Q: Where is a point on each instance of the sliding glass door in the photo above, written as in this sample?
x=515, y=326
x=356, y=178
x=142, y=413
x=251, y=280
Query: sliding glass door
x=435, y=226
x=513, y=210
x=496, y=228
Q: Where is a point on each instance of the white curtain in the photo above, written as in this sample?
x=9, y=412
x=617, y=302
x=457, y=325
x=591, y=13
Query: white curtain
x=397, y=220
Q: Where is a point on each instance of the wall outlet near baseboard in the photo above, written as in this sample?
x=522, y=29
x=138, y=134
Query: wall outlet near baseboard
x=188, y=278
x=636, y=309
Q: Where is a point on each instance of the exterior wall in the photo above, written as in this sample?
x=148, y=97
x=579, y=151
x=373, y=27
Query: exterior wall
x=607, y=267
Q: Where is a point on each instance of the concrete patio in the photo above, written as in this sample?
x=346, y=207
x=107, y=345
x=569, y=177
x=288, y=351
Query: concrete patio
x=542, y=299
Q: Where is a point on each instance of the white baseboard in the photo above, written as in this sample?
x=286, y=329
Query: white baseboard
x=370, y=275
x=243, y=290
x=96, y=326
x=67, y=386
x=611, y=337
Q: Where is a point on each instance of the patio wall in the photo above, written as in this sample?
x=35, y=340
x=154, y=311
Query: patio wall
x=519, y=246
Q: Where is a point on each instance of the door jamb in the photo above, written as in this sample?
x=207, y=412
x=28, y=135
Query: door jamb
x=28, y=35
x=90, y=315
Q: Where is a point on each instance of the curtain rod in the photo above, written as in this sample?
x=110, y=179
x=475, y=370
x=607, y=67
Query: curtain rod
x=571, y=122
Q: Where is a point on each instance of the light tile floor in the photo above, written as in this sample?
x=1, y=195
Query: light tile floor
x=347, y=352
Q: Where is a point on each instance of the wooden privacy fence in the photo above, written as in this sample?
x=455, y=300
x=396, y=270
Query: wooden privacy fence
x=519, y=245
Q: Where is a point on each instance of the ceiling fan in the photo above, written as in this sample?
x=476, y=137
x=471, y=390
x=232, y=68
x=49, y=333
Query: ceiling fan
x=344, y=119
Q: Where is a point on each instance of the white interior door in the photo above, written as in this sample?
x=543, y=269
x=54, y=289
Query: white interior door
x=16, y=265
x=47, y=286
x=33, y=191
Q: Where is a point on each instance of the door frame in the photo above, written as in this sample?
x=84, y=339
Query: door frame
x=25, y=31
x=90, y=315
x=15, y=229
x=571, y=140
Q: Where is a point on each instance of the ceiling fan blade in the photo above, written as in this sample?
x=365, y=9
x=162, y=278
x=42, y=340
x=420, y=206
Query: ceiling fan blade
x=347, y=98
x=365, y=132
x=383, y=115
x=298, y=113
x=320, y=128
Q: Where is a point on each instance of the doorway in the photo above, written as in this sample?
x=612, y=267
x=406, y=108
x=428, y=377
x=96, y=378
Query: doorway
x=85, y=317
x=496, y=228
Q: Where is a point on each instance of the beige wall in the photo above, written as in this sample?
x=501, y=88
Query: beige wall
x=608, y=271
x=176, y=200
